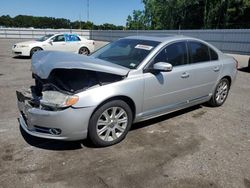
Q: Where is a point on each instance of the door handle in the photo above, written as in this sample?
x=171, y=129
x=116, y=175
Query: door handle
x=216, y=69
x=185, y=75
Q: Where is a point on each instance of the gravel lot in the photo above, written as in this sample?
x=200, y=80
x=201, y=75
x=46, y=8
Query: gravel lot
x=197, y=147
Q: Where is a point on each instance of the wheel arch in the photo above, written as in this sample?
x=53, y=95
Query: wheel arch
x=83, y=46
x=123, y=98
x=36, y=47
x=228, y=78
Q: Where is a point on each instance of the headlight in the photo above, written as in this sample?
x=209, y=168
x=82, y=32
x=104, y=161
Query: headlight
x=57, y=99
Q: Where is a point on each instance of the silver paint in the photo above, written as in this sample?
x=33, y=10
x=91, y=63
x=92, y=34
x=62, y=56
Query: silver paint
x=152, y=94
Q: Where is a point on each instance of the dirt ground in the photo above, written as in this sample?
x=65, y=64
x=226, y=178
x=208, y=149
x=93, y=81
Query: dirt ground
x=197, y=147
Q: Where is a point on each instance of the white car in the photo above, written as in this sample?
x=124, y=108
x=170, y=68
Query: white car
x=58, y=42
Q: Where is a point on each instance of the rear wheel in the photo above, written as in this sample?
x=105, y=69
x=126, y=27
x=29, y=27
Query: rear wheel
x=34, y=50
x=84, y=51
x=220, y=94
x=110, y=123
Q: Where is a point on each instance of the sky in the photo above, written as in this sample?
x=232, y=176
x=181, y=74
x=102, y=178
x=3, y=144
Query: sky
x=100, y=11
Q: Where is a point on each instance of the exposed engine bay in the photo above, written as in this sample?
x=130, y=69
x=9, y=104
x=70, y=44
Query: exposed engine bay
x=59, y=89
x=60, y=76
x=72, y=81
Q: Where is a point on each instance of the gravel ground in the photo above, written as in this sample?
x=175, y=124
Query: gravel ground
x=197, y=147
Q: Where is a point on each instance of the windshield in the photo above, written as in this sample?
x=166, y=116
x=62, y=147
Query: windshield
x=44, y=38
x=126, y=52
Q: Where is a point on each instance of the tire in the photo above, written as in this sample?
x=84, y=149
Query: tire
x=110, y=130
x=84, y=51
x=34, y=50
x=220, y=93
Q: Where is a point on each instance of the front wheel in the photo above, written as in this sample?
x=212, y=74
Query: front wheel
x=34, y=50
x=84, y=51
x=220, y=94
x=110, y=123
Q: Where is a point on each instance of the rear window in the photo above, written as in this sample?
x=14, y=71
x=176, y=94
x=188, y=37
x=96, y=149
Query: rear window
x=71, y=38
x=198, y=52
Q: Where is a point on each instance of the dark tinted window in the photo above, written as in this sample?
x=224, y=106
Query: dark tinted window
x=175, y=54
x=213, y=55
x=198, y=52
x=59, y=38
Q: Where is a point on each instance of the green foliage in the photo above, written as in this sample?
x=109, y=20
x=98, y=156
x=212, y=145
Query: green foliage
x=49, y=22
x=191, y=14
x=137, y=21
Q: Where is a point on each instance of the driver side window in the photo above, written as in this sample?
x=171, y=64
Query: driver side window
x=175, y=54
x=59, y=38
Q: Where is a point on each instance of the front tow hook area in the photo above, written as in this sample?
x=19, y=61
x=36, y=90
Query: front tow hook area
x=26, y=95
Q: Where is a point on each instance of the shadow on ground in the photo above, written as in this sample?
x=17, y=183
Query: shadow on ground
x=244, y=69
x=50, y=144
x=21, y=57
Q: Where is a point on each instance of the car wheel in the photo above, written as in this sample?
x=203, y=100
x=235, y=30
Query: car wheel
x=220, y=94
x=110, y=123
x=34, y=50
x=84, y=51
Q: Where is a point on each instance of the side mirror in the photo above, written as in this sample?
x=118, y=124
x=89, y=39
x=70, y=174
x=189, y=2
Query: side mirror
x=163, y=67
x=51, y=41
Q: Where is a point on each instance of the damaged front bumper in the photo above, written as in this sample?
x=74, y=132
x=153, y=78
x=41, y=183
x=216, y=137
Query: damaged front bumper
x=64, y=124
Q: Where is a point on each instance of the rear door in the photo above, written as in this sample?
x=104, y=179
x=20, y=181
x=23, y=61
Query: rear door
x=73, y=42
x=204, y=69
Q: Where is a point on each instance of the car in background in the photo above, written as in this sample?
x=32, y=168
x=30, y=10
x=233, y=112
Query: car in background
x=127, y=81
x=55, y=42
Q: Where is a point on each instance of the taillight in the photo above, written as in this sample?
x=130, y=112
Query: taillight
x=236, y=64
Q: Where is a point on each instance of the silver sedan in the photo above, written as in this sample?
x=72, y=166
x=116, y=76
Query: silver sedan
x=130, y=80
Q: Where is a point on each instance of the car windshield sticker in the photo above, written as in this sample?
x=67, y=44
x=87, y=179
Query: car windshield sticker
x=143, y=47
x=132, y=65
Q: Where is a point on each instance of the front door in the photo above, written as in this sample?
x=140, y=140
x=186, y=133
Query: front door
x=58, y=44
x=167, y=90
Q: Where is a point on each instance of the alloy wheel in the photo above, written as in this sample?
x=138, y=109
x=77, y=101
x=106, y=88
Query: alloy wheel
x=221, y=92
x=111, y=124
x=84, y=51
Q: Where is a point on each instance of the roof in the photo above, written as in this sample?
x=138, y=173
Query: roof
x=159, y=38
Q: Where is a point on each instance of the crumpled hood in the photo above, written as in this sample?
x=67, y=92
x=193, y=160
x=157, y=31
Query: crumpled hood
x=45, y=61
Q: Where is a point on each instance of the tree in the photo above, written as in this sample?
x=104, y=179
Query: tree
x=137, y=21
x=192, y=14
x=50, y=22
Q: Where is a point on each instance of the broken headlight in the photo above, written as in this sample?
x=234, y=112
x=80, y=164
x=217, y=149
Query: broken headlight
x=58, y=100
